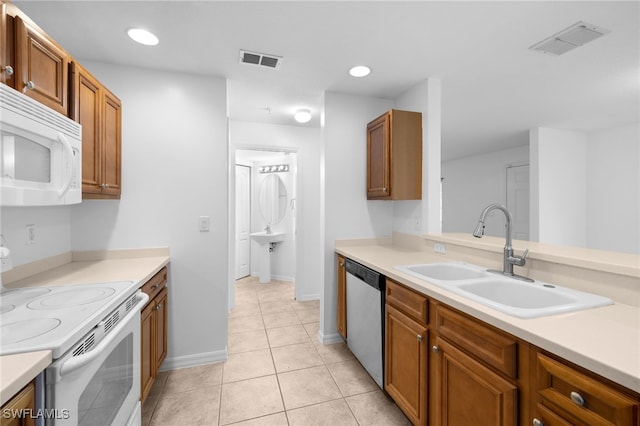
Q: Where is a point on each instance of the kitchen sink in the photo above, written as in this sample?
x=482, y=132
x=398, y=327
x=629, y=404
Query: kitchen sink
x=514, y=297
x=448, y=271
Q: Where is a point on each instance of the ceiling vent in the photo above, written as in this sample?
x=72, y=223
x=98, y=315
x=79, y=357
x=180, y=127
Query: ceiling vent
x=260, y=59
x=575, y=36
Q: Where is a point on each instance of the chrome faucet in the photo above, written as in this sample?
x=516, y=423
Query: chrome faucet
x=509, y=258
x=268, y=229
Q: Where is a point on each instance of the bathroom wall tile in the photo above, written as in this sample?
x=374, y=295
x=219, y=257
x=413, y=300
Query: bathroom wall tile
x=295, y=357
x=288, y=335
x=335, y=412
x=186, y=379
x=247, y=365
x=199, y=406
x=307, y=387
x=374, y=408
x=351, y=378
x=247, y=341
x=249, y=399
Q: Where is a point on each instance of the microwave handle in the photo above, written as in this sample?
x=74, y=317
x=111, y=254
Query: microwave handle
x=69, y=152
x=79, y=361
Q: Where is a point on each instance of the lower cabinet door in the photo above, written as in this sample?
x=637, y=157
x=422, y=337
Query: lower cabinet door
x=406, y=364
x=146, y=352
x=469, y=393
x=161, y=329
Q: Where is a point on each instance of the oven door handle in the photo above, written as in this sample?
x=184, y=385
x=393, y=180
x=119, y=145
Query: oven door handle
x=80, y=361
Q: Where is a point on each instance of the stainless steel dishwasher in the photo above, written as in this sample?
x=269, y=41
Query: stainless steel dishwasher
x=365, y=318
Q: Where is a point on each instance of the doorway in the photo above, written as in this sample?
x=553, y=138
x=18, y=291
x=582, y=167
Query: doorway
x=256, y=170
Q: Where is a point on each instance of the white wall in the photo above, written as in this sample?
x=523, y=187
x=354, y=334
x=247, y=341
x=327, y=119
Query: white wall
x=423, y=216
x=174, y=169
x=52, y=226
x=558, y=175
x=472, y=183
x=347, y=213
x=306, y=142
x=613, y=189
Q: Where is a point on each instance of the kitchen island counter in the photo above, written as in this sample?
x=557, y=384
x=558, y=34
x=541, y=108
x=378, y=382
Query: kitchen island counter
x=605, y=340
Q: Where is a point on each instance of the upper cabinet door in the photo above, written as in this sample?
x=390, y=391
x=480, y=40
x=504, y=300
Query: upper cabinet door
x=41, y=67
x=378, y=165
x=112, y=145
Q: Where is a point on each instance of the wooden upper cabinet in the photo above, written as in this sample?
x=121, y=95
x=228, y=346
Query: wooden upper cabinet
x=394, y=156
x=41, y=66
x=99, y=112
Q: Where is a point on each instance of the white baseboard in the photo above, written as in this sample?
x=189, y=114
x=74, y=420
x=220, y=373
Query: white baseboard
x=307, y=297
x=328, y=339
x=193, y=360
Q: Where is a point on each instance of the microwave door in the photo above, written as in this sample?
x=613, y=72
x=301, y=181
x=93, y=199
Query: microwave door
x=69, y=164
x=8, y=158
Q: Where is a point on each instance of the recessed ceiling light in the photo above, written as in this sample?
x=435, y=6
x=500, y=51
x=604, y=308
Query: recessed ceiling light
x=142, y=36
x=360, y=71
x=302, y=115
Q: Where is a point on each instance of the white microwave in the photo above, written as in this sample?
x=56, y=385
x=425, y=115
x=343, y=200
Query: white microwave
x=41, y=153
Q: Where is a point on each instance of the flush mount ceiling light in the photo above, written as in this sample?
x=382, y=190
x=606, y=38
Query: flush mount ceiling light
x=302, y=115
x=568, y=39
x=142, y=36
x=360, y=71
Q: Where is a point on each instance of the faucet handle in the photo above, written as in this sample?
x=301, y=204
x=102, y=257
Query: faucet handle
x=520, y=260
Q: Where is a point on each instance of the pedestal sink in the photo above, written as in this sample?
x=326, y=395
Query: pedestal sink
x=265, y=240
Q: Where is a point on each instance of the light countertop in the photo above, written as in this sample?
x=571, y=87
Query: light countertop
x=604, y=340
x=18, y=370
x=69, y=269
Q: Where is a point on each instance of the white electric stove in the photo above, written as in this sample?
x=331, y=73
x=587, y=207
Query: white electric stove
x=93, y=332
x=55, y=318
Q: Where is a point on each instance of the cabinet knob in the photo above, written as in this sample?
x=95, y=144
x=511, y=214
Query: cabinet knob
x=419, y=338
x=384, y=189
x=8, y=69
x=341, y=264
x=159, y=306
x=30, y=85
x=577, y=398
x=435, y=349
x=537, y=422
x=104, y=185
x=153, y=287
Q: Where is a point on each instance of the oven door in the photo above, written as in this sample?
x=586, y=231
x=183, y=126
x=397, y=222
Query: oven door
x=100, y=386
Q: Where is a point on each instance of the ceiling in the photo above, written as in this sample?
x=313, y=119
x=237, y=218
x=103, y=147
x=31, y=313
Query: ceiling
x=493, y=87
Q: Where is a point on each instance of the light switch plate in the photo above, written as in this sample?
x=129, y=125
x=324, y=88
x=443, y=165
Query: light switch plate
x=205, y=223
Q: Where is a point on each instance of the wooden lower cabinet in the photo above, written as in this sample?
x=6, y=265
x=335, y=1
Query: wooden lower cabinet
x=467, y=392
x=154, y=317
x=406, y=364
x=21, y=409
x=342, y=297
x=570, y=395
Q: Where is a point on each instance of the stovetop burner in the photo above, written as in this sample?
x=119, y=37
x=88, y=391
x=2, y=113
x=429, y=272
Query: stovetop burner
x=71, y=298
x=55, y=318
x=20, y=331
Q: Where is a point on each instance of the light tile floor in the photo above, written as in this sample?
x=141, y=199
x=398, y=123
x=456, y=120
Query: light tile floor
x=277, y=373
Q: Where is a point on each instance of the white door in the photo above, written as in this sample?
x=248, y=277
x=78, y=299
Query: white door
x=518, y=200
x=243, y=221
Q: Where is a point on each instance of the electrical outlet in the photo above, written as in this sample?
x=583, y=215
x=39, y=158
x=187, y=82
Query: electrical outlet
x=417, y=223
x=439, y=248
x=30, y=234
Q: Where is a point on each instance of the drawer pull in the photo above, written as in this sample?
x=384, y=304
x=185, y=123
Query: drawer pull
x=577, y=398
x=537, y=422
x=153, y=287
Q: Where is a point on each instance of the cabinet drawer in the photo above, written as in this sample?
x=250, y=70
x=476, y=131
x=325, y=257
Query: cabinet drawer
x=408, y=301
x=156, y=283
x=494, y=348
x=583, y=397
